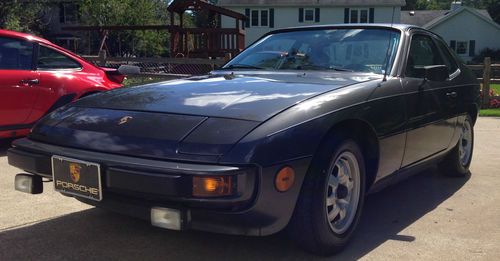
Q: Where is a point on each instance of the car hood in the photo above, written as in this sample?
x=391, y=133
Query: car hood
x=194, y=119
x=254, y=96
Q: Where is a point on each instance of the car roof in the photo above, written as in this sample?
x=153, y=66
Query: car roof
x=23, y=36
x=399, y=27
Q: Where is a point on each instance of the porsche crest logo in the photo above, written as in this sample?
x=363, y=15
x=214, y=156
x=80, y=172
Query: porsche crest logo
x=125, y=120
x=74, y=172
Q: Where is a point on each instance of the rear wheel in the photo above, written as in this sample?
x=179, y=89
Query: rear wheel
x=457, y=162
x=331, y=199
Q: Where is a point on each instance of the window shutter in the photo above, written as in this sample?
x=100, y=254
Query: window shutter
x=247, y=14
x=301, y=15
x=271, y=17
x=472, y=48
x=453, y=45
x=316, y=15
x=371, y=18
x=346, y=15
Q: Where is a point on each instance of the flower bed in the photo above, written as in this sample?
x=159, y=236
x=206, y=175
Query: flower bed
x=494, y=103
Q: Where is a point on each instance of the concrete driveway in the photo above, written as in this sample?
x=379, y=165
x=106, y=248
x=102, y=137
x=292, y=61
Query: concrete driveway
x=427, y=217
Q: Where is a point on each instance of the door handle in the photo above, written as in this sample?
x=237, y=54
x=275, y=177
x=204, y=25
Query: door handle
x=30, y=81
x=451, y=94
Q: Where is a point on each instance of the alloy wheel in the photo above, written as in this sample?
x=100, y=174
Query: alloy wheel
x=465, y=143
x=343, y=192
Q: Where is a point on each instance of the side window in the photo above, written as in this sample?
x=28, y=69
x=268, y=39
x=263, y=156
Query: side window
x=52, y=59
x=15, y=54
x=448, y=59
x=423, y=52
x=255, y=17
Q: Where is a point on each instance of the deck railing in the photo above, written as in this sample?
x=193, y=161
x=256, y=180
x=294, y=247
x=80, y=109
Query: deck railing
x=203, y=42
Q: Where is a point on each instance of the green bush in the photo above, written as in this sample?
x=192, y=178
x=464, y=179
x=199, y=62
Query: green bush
x=487, y=52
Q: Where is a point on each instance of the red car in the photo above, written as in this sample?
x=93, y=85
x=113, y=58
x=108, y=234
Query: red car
x=37, y=76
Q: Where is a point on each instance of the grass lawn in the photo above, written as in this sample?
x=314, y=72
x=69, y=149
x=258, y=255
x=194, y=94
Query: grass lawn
x=495, y=88
x=134, y=81
x=490, y=112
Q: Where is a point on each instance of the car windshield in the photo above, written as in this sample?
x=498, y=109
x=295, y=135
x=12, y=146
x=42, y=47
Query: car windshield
x=347, y=49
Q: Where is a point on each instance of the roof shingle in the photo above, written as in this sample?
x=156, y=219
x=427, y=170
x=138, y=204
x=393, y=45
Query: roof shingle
x=423, y=17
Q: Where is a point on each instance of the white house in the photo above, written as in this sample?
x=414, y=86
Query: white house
x=267, y=15
x=466, y=30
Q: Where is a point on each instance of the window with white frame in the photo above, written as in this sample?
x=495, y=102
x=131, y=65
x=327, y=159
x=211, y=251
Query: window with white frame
x=259, y=17
x=359, y=15
x=309, y=15
x=353, y=18
x=363, y=16
x=255, y=18
x=462, y=47
x=264, y=17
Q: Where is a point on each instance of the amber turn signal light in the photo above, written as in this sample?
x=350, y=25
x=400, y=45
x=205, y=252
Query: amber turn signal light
x=212, y=186
x=284, y=179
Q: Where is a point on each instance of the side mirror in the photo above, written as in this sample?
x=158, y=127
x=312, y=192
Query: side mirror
x=129, y=69
x=438, y=73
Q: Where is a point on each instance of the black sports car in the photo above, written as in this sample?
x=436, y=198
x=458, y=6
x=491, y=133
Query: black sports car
x=292, y=132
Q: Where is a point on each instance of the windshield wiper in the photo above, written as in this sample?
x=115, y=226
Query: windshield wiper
x=323, y=68
x=340, y=69
x=242, y=66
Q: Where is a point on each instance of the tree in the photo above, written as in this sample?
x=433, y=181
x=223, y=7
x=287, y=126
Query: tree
x=22, y=16
x=419, y=5
x=130, y=12
x=479, y=4
x=443, y=4
x=205, y=19
x=494, y=10
x=494, y=54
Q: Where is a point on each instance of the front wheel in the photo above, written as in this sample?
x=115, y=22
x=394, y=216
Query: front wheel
x=331, y=199
x=457, y=162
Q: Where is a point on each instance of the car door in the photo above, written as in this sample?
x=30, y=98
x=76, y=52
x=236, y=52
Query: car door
x=452, y=91
x=17, y=82
x=430, y=105
x=58, y=74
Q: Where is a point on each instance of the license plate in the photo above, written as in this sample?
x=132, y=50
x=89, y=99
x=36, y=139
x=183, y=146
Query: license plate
x=77, y=178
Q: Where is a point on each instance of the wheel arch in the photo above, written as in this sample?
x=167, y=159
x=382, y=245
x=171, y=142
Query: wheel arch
x=61, y=101
x=364, y=134
x=473, y=111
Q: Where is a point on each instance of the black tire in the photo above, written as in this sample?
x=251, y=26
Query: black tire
x=310, y=227
x=452, y=165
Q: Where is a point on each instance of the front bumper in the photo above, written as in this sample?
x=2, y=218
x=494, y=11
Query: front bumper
x=133, y=186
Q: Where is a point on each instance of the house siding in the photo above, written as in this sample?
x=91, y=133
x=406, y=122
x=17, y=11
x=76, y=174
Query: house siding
x=289, y=17
x=467, y=27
